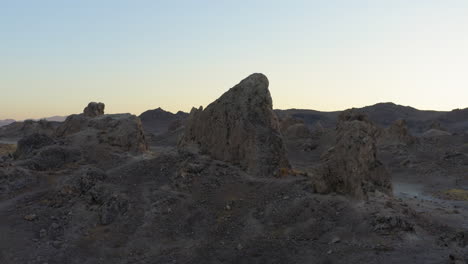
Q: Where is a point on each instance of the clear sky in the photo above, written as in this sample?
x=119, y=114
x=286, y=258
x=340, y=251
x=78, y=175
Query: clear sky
x=134, y=55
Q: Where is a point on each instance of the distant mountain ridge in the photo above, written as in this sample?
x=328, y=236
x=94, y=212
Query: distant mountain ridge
x=6, y=122
x=384, y=114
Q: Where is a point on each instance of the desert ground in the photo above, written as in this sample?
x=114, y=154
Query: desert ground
x=237, y=182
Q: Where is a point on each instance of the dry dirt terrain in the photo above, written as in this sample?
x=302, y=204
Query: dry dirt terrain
x=98, y=188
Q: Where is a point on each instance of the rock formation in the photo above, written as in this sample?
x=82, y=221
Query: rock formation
x=158, y=121
x=26, y=128
x=94, y=109
x=27, y=145
x=397, y=133
x=120, y=131
x=351, y=167
x=240, y=127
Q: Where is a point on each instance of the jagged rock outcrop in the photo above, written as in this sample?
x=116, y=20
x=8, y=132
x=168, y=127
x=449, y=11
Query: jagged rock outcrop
x=120, y=131
x=397, y=133
x=240, y=127
x=94, y=109
x=351, y=167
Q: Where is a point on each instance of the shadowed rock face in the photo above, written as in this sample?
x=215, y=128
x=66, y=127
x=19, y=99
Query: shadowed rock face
x=351, y=166
x=240, y=127
x=94, y=109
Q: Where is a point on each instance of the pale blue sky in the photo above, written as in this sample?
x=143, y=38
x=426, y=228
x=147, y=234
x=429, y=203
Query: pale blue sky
x=56, y=56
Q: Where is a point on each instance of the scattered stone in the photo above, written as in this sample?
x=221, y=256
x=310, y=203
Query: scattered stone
x=239, y=246
x=42, y=233
x=30, y=217
x=335, y=240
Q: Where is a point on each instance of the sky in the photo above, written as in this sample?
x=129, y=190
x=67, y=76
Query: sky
x=135, y=55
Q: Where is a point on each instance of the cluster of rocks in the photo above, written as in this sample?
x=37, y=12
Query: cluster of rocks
x=92, y=128
x=90, y=136
x=351, y=167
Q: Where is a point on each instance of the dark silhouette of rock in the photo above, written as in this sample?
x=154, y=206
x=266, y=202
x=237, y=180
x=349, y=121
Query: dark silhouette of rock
x=351, y=167
x=174, y=125
x=240, y=127
x=94, y=109
x=158, y=121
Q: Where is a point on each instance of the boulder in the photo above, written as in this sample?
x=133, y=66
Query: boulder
x=94, y=109
x=351, y=167
x=240, y=127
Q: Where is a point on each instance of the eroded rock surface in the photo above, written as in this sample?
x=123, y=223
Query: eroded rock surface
x=94, y=109
x=351, y=167
x=120, y=131
x=240, y=127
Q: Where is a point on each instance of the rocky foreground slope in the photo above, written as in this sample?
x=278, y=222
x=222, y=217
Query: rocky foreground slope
x=96, y=190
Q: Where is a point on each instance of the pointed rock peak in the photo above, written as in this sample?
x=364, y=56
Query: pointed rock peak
x=255, y=80
x=94, y=109
x=240, y=127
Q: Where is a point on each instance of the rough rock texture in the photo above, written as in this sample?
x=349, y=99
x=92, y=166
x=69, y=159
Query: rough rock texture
x=121, y=131
x=240, y=127
x=397, y=133
x=53, y=157
x=94, y=109
x=351, y=167
x=27, y=145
